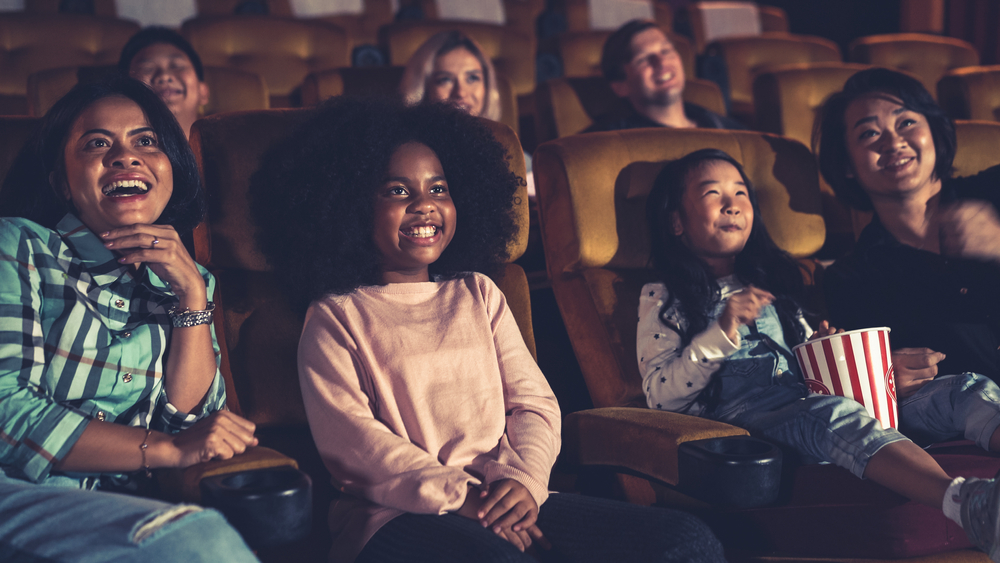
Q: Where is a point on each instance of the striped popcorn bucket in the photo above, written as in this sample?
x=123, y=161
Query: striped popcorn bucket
x=855, y=364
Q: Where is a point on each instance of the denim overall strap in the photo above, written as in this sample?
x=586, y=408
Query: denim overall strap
x=762, y=374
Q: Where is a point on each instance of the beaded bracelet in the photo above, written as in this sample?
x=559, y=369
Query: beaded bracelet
x=142, y=448
x=186, y=317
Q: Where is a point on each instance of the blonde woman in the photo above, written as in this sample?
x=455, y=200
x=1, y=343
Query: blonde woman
x=450, y=67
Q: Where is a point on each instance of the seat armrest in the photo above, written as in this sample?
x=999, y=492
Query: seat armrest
x=641, y=440
x=181, y=485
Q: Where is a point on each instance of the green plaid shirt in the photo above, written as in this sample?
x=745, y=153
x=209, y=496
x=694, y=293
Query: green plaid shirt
x=80, y=338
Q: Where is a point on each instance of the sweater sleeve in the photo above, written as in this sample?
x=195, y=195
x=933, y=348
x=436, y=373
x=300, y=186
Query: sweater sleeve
x=672, y=376
x=531, y=442
x=362, y=454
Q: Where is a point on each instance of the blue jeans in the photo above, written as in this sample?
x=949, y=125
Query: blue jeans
x=581, y=529
x=45, y=523
x=966, y=404
x=762, y=391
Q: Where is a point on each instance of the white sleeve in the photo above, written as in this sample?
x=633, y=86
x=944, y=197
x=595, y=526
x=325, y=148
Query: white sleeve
x=673, y=376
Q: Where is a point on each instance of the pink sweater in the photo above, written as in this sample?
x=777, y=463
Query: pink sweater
x=415, y=390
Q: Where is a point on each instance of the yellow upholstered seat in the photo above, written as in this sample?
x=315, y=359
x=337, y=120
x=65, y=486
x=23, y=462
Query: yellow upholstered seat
x=282, y=51
x=787, y=101
x=928, y=57
x=33, y=42
x=971, y=93
x=745, y=57
x=565, y=106
x=512, y=52
x=591, y=198
x=230, y=89
x=711, y=21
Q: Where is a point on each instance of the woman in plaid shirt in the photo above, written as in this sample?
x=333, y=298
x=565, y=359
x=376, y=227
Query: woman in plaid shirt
x=108, y=362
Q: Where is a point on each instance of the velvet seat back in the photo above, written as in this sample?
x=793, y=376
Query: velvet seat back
x=971, y=93
x=592, y=191
x=32, y=42
x=281, y=50
x=928, y=57
x=745, y=57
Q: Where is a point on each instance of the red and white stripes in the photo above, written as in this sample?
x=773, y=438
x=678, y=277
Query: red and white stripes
x=855, y=364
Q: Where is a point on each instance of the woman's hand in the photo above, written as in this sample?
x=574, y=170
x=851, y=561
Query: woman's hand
x=743, y=308
x=824, y=329
x=160, y=247
x=970, y=229
x=913, y=368
x=220, y=435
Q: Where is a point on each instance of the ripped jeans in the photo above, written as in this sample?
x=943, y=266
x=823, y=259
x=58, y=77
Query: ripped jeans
x=49, y=523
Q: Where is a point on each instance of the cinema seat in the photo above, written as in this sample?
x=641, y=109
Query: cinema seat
x=33, y=42
x=928, y=57
x=971, y=93
x=282, y=51
x=745, y=57
x=591, y=196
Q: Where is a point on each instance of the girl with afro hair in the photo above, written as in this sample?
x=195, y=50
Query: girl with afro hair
x=424, y=402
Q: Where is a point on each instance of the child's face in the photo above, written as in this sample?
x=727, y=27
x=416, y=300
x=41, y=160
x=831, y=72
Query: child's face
x=414, y=215
x=716, y=214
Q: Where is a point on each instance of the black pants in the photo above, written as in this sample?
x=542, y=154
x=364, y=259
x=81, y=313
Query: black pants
x=580, y=529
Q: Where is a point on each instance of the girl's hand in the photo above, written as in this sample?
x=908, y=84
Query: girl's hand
x=510, y=511
x=743, y=308
x=221, y=435
x=160, y=247
x=825, y=330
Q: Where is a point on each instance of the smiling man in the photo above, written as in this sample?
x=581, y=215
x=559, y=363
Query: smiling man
x=642, y=66
x=166, y=62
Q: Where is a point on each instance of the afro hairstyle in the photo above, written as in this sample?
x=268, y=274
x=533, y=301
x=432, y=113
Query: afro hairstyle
x=313, y=197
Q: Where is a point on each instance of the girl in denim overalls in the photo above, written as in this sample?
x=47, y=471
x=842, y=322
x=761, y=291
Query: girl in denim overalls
x=714, y=340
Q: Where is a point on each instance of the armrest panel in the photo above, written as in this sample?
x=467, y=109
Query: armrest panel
x=181, y=485
x=641, y=440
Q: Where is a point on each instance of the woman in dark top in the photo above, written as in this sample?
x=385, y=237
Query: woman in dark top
x=929, y=263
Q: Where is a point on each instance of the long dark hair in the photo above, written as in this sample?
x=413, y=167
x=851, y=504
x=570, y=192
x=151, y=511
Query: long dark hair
x=28, y=190
x=834, y=159
x=689, y=280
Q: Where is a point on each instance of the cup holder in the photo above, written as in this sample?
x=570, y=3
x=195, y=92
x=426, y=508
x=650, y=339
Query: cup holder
x=733, y=471
x=268, y=507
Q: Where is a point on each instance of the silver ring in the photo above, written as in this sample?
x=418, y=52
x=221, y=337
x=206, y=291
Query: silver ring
x=156, y=241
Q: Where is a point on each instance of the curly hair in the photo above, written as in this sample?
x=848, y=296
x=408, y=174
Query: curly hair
x=28, y=192
x=313, y=198
x=834, y=159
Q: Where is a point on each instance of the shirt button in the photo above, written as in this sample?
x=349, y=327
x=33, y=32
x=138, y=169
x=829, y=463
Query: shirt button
x=119, y=303
x=964, y=290
x=127, y=378
x=127, y=335
x=101, y=416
